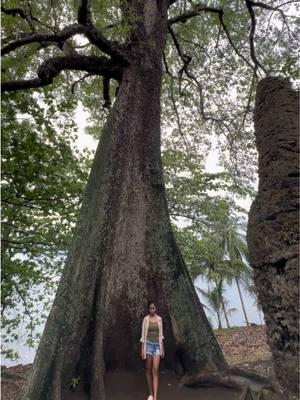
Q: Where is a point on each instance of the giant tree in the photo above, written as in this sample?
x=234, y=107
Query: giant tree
x=123, y=250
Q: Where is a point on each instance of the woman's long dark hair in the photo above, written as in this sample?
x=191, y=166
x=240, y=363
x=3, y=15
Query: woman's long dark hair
x=151, y=302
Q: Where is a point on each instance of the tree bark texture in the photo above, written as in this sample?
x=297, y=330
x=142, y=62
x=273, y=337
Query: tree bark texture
x=272, y=233
x=123, y=251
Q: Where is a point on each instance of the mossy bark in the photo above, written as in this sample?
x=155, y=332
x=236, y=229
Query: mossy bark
x=272, y=235
x=124, y=252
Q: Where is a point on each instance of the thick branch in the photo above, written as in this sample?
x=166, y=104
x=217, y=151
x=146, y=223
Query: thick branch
x=249, y=5
x=59, y=37
x=84, y=26
x=50, y=68
x=84, y=18
x=84, y=12
x=106, y=95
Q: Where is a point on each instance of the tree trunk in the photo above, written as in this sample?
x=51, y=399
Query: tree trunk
x=219, y=320
x=225, y=313
x=272, y=232
x=241, y=299
x=123, y=251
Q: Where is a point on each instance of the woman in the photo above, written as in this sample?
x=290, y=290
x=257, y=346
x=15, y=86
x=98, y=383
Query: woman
x=152, y=347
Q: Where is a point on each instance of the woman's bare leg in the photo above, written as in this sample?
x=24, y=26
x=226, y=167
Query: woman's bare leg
x=149, y=373
x=156, y=360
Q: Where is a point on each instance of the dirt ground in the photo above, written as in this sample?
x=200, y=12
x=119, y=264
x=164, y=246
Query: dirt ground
x=245, y=347
x=128, y=386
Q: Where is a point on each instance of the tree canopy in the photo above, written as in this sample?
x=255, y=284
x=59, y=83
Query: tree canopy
x=214, y=55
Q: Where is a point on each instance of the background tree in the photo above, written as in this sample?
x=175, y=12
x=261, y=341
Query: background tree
x=215, y=297
x=43, y=177
x=235, y=258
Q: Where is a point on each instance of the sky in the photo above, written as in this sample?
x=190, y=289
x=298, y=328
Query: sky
x=231, y=293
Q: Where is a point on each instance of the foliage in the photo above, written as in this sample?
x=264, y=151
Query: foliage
x=216, y=300
x=75, y=382
x=43, y=177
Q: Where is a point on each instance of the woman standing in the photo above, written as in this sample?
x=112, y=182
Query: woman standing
x=152, y=347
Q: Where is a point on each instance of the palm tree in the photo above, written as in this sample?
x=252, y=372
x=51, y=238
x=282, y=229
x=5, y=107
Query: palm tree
x=249, y=285
x=217, y=302
x=225, y=312
x=234, y=260
x=222, y=255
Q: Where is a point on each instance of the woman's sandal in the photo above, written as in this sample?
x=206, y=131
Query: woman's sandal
x=150, y=397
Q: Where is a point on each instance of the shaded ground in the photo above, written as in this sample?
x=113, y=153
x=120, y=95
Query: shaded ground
x=245, y=347
x=128, y=386
x=123, y=386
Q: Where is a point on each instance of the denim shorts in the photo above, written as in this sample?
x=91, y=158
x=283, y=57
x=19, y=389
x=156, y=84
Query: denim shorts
x=152, y=348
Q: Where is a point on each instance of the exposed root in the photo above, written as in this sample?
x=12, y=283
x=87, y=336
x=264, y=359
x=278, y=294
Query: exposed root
x=253, y=386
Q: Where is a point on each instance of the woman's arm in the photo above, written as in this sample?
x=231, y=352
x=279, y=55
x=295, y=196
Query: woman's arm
x=142, y=339
x=162, y=331
x=142, y=351
x=162, y=341
x=143, y=329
